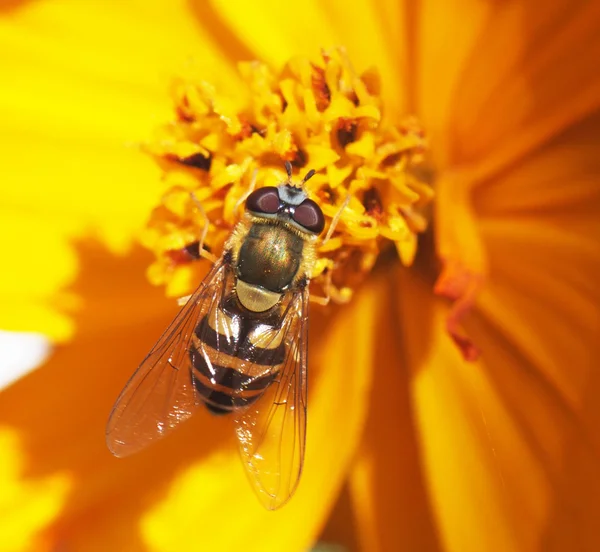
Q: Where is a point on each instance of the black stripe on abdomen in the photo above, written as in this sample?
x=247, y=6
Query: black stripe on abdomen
x=221, y=399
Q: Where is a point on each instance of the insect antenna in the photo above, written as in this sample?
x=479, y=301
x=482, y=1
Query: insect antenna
x=288, y=169
x=308, y=175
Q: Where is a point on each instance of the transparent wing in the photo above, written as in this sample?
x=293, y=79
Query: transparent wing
x=272, y=430
x=161, y=394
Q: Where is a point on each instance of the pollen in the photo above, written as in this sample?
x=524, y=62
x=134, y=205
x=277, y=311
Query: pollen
x=317, y=114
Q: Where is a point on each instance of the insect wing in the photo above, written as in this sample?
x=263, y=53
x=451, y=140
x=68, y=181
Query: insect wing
x=272, y=431
x=161, y=394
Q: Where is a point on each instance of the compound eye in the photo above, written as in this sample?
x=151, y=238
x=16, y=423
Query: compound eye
x=309, y=215
x=264, y=200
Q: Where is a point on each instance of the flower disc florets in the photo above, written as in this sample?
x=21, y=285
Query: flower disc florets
x=316, y=115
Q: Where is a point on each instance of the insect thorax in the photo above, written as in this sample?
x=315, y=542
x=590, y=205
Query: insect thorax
x=268, y=259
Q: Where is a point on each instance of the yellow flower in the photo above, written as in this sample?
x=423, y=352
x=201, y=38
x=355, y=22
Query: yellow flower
x=431, y=453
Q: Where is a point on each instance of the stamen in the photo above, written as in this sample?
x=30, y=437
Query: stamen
x=462, y=287
x=461, y=252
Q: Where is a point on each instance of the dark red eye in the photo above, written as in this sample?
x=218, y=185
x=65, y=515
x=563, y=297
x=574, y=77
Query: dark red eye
x=309, y=215
x=264, y=200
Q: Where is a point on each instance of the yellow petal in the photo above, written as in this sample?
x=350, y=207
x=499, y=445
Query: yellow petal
x=75, y=107
x=41, y=262
x=363, y=147
x=371, y=32
x=320, y=156
x=27, y=505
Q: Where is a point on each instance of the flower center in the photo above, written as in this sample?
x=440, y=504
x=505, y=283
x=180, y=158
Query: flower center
x=316, y=115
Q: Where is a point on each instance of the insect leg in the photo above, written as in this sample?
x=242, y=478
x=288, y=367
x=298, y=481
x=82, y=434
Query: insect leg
x=324, y=301
x=335, y=220
x=202, y=252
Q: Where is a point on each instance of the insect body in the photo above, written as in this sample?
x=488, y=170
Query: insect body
x=239, y=347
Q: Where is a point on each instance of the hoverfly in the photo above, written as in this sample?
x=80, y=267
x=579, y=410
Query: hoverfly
x=239, y=346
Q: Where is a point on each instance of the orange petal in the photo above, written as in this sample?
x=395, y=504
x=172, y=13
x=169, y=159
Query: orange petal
x=468, y=445
x=515, y=76
x=541, y=227
x=388, y=487
x=547, y=301
x=340, y=530
x=486, y=488
x=154, y=499
x=510, y=443
x=439, y=68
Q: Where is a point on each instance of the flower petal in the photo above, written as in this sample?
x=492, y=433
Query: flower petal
x=498, y=118
x=388, y=487
x=78, y=98
x=60, y=410
x=371, y=32
x=439, y=68
x=518, y=433
x=191, y=475
x=515, y=76
x=27, y=505
x=477, y=470
x=547, y=307
x=541, y=227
